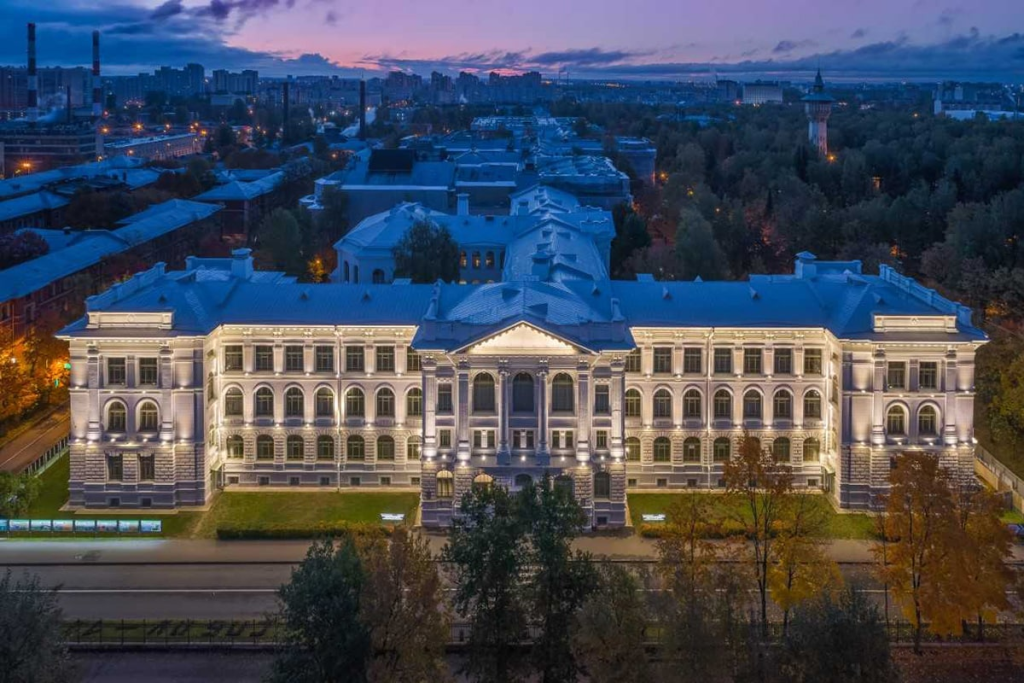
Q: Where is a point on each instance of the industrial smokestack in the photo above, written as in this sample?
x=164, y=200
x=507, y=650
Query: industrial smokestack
x=362, y=110
x=33, y=82
x=97, y=86
x=285, y=103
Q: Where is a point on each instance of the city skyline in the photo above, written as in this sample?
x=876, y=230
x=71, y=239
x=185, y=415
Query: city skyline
x=868, y=40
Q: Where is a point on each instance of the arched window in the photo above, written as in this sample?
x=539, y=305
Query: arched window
x=812, y=450
x=692, y=408
x=812, y=405
x=355, y=274
x=633, y=449
x=522, y=393
x=346, y=271
x=264, y=447
x=117, y=417
x=414, y=403
x=385, y=448
x=482, y=482
x=602, y=486
x=294, y=448
x=752, y=405
x=662, y=403
x=662, y=449
x=562, y=395
x=412, y=449
x=780, y=449
x=783, y=405
x=235, y=446
x=896, y=421
x=691, y=450
x=445, y=483
x=355, y=403
x=149, y=417
x=927, y=421
x=523, y=480
x=483, y=393
x=385, y=403
x=723, y=405
x=377, y=276
x=565, y=484
x=355, y=448
x=233, y=402
x=264, y=403
x=722, y=450
x=476, y=260
x=324, y=402
x=325, y=447
x=632, y=403
x=293, y=402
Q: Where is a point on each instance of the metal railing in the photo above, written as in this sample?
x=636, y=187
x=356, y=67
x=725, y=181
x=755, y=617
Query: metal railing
x=51, y=454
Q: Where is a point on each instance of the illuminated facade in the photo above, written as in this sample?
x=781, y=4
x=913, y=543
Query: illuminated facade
x=222, y=376
x=818, y=106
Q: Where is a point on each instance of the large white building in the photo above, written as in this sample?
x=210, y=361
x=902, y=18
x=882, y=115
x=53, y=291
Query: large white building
x=222, y=376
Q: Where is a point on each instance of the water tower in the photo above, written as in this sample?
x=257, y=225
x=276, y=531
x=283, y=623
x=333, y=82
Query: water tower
x=818, y=105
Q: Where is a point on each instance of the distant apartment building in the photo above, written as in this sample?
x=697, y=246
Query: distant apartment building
x=29, y=148
x=759, y=93
x=240, y=83
x=158, y=147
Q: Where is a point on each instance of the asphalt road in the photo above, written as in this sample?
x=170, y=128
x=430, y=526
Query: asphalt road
x=23, y=449
x=169, y=667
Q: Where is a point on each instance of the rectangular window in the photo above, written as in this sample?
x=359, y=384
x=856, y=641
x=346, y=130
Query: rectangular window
x=723, y=361
x=633, y=361
x=355, y=359
x=561, y=439
x=147, y=468
x=783, y=361
x=751, y=361
x=662, y=360
x=602, y=405
x=444, y=438
x=116, y=371
x=483, y=438
x=812, y=361
x=232, y=358
x=896, y=375
x=692, y=361
x=444, y=398
x=293, y=359
x=928, y=377
x=522, y=439
x=385, y=356
x=115, y=468
x=324, y=359
x=263, y=358
x=601, y=440
x=412, y=360
x=147, y=372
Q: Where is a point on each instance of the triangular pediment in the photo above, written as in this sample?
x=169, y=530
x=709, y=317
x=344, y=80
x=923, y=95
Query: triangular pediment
x=523, y=339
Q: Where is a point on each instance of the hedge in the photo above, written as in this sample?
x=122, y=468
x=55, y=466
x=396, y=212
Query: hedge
x=727, y=529
x=231, y=532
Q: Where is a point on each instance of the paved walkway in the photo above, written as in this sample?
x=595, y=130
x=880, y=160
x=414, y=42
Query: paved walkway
x=22, y=450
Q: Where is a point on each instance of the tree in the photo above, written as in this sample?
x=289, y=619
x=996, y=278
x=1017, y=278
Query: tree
x=487, y=553
x=333, y=215
x=17, y=493
x=838, y=640
x=630, y=235
x=31, y=641
x=19, y=247
x=921, y=528
x=15, y=395
x=608, y=638
x=280, y=241
x=427, y=253
x=561, y=579
x=760, y=487
x=325, y=639
x=696, y=248
x=400, y=606
x=801, y=568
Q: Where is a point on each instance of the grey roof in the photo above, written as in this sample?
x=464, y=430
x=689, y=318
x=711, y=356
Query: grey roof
x=237, y=190
x=30, y=204
x=124, y=169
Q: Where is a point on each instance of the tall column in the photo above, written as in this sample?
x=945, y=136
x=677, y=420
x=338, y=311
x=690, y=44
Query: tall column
x=462, y=417
x=949, y=383
x=583, y=413
x=504, y=387
x=878, y=408
x=542, y=414
x=429, y=366
x=617, y=391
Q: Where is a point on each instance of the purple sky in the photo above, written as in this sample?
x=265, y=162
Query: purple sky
x=920, y=39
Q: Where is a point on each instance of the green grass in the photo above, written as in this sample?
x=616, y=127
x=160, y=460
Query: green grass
x=273, y=509
x=848, y=526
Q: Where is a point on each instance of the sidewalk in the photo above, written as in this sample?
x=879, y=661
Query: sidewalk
x=23, y=449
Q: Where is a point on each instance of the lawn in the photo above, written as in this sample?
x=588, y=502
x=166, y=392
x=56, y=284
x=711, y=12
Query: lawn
x=851, y=525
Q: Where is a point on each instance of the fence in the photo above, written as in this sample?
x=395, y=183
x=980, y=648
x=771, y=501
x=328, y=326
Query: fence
x=51, y=454
x=999, y=476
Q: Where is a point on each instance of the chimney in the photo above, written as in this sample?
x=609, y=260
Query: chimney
x=70, y=113
x=362, y=110
x=97, y=86
x=241, y=263
x=33, y=83
x=463, y=204
x=284, y=102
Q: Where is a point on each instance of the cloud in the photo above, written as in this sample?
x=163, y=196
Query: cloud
x=859, y=33
x=331, y=18
x=787, y=46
